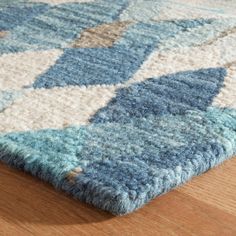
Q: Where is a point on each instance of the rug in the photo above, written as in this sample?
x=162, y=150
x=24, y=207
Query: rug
x=117, y=102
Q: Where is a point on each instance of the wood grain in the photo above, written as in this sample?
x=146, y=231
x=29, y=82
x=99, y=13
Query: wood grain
x=205, y=206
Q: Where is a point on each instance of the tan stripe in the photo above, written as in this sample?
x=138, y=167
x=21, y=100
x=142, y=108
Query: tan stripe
x=3, y=34
x=101, y=36
x=72, y=174
x=221, y=35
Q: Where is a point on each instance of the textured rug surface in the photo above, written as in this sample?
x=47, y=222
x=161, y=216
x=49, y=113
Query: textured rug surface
x=116, y=102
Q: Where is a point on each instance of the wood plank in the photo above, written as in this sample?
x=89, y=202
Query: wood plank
x=216, y=188
x=205, y=206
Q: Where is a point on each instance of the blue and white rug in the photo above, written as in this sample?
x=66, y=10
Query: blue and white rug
x=116, y=102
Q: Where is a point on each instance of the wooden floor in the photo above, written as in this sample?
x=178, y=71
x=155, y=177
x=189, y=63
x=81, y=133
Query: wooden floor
x=205, y=206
